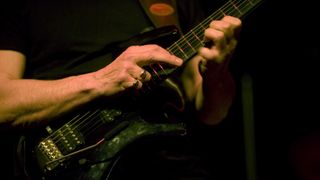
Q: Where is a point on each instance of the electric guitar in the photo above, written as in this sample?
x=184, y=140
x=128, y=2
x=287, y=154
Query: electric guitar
x=78, y=142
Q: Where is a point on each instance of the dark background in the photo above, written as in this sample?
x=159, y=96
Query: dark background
x=278, y=53
x=278, y=50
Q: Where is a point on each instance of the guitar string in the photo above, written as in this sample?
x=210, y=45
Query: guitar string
x=236, y=9
x=187, y=36
x=178, y=47
x=98, y=123
x=197, y=34
x=211, y=18
x=198, y=30
x=68, y=129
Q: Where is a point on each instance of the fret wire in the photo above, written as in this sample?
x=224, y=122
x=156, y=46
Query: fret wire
x=250, y=2
x=189, y=37
x=180, y=49
x=188, y=43
x=181, y=44
x=194, y=36
x=236, y=7
x=197, y=37
x=176, y=52
x=200, y=28
x=227, y=7
x=246, y=6
x=223, y=13
x=233, y=11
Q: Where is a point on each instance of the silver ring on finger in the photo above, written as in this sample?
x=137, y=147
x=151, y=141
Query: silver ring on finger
x=135, y=83
x=143, y=74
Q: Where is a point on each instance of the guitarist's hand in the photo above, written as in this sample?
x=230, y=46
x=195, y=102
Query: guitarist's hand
x=222, y=36
x=206, y=78
x=126, y=70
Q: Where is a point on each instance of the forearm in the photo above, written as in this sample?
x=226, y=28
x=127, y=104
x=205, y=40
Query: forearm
x=215, y=96
x=28, y=101
x=211, y=91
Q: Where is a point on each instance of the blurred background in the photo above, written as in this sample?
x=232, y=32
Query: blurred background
x=272, y=130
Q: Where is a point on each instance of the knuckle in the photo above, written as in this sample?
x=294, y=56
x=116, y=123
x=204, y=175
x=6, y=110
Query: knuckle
x=126, y=66
x=150, y=57
x=134, y=47
x=219, y=35
x=156, y=48
x=233, y=21
x=131, y=49
x=207, y=32
x=212, y=24
x=122, y=77
x=238, y=22
x=128, y=56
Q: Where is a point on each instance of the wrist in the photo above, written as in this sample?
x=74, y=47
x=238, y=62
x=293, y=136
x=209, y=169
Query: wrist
x=88, y=85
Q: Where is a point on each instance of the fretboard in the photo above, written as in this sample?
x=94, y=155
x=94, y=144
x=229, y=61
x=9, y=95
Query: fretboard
x=188, y=45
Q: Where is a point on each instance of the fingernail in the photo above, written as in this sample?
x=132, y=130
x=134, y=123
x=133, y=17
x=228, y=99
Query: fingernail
x=180, y=61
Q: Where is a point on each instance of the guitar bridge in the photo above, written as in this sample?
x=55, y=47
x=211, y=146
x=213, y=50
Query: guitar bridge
x=48, y=151
x=51, y=150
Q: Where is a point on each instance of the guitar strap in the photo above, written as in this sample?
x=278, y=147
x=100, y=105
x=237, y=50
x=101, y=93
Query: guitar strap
x=161, y=12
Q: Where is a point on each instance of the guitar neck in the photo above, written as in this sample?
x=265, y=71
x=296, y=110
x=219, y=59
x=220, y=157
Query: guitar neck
x=188, y=45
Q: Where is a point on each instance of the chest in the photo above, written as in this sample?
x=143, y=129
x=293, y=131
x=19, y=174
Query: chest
x=83, y=23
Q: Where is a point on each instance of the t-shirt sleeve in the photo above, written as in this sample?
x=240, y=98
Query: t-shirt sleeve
x=12, y=32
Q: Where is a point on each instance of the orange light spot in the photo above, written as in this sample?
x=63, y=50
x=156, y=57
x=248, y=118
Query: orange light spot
x=161, y=9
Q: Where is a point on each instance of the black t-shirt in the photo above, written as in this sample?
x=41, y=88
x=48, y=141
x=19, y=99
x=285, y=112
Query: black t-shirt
x=62, y=38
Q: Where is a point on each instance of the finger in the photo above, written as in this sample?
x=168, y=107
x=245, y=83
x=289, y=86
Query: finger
x=148, y=54
x=137, y=84
x=235, y=23
x=220, y=25
x=216, y=36
x=228, y=24
x=144, y=75
x=211, y=54
x=223, y=30
x=140, y=74
x=132, y=83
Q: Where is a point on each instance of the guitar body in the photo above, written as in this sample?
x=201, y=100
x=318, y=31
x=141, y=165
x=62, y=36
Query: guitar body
x=95, y=162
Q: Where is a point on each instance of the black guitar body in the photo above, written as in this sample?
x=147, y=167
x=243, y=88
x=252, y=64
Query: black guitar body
x=96, y=162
